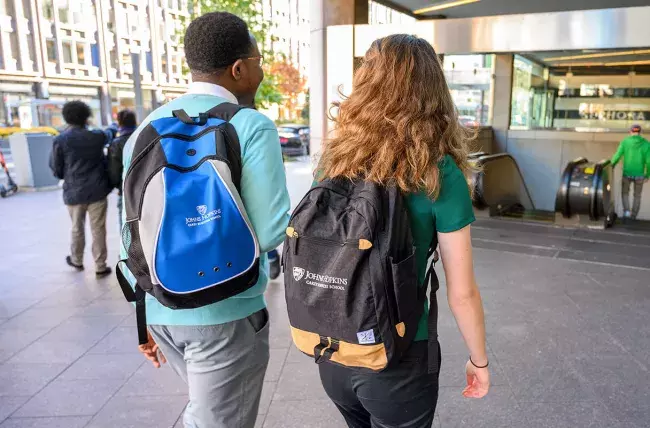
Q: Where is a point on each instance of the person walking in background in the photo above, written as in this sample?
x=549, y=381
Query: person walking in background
x=126, y=123
x=221, y=350
x=635, y=151
x=78, y=159
x=400, y=126
x=274, y=264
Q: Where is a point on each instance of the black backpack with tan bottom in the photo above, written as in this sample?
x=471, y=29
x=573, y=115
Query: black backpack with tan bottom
x=351, y=277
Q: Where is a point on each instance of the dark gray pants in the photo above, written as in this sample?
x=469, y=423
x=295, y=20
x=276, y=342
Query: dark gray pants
x=638, y=188
x=403, y=396
x=223, y=366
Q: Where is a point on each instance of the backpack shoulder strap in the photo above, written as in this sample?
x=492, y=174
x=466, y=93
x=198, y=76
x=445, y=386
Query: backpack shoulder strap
x=225, y=111
x=431, y=282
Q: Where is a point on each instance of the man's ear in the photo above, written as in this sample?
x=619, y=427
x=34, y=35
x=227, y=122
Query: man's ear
x=236, y=69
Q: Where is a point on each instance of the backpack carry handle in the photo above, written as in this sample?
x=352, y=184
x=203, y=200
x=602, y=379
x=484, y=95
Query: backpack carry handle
x=186, y=119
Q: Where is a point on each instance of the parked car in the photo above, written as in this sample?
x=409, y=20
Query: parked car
x=294, y=139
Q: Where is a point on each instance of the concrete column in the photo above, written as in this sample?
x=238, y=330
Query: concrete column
x=332, y=58
x=105, y=105
x=501, y=97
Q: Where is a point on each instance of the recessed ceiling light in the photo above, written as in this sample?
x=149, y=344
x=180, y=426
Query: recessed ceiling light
x=597, y=55
x=445, y=5
x=602, y=64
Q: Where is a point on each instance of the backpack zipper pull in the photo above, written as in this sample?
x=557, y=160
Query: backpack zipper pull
x=291, y=233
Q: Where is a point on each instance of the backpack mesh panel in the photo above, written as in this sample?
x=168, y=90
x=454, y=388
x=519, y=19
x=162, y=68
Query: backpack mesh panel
x=131, y=241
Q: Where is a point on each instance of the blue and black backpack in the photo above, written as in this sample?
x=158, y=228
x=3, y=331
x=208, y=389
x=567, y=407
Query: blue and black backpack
x=188, y=238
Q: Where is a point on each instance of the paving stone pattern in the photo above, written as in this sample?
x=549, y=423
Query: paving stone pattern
x=568, y=339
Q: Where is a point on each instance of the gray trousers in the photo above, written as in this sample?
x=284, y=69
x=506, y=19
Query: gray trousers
x=97, y=213
x=223, y=366
x=638, y=188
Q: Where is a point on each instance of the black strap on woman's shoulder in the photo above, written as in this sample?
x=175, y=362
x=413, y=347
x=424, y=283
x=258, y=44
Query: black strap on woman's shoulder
x=431, y=281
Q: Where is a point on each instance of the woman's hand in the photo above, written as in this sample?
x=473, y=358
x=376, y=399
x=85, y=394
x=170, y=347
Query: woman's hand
x=478, y=381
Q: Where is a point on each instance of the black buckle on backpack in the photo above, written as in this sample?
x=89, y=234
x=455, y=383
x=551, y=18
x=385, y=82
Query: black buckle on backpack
x=330, y=345
x=134, y=295
x=331, y=350
x=318, y=349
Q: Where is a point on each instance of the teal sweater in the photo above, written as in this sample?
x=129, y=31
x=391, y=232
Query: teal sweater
x=265, y=197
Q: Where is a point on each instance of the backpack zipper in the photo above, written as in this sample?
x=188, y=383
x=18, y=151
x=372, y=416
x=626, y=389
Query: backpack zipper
x=291, y=232
x=155, y=141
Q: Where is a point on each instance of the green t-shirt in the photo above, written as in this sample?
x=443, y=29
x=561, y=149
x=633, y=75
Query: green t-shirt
x=451, y=211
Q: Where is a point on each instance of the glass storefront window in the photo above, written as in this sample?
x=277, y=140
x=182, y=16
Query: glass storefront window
x=531, y=100
x=470, y=82
x=584, y=91
x=122, y=98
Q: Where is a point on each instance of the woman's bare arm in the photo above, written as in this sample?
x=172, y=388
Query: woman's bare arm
x=465, y=302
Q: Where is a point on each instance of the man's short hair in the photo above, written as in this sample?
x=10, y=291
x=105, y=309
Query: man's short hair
x=126, y=118
x=76, y=113
x=635, y=128
x=216, y=40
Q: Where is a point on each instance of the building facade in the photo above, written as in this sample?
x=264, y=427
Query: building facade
x=289, y=41
x=52, y=51
x=290, y=30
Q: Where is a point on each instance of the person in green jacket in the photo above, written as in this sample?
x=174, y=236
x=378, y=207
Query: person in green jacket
x=635, y=151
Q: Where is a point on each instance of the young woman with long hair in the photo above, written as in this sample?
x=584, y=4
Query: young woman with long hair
x=399, y=126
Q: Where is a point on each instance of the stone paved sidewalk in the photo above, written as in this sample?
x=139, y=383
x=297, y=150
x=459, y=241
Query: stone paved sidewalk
x=568, y=340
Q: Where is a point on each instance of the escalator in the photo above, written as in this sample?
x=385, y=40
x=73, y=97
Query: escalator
x=583, y=198
x=500, y=189
x=586, y=189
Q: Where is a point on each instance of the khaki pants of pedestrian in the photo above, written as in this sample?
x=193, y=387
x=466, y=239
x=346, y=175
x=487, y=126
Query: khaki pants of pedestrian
x=97, y=213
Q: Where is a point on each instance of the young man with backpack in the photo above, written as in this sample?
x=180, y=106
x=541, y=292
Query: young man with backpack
x=126, y=123
x=204, y=200
x=635, y=151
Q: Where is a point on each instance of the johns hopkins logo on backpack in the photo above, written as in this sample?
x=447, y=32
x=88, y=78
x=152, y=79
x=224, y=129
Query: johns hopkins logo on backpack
x=318, y=280
x=204, y=217
x=298, y=273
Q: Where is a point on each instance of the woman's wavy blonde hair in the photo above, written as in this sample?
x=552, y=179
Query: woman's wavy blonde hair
x=399, y=121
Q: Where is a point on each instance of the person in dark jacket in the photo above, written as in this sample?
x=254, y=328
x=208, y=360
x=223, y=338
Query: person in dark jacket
x=78, y=159
x=127, y=124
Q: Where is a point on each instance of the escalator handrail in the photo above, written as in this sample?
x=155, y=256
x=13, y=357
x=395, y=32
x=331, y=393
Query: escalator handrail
x=595, y=184
x=476, y=155
x=565, y=183
x=482, y=160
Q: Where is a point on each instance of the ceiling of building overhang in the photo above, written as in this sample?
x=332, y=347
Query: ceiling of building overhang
x=505, y=7
x=612, y=61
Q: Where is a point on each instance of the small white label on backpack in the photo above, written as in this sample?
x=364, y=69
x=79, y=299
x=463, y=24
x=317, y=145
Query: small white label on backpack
x=366, y=337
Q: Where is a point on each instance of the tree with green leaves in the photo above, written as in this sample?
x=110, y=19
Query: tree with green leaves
x=251, y=11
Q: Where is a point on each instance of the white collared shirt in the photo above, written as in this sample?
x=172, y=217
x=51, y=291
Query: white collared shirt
x=205, y=88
